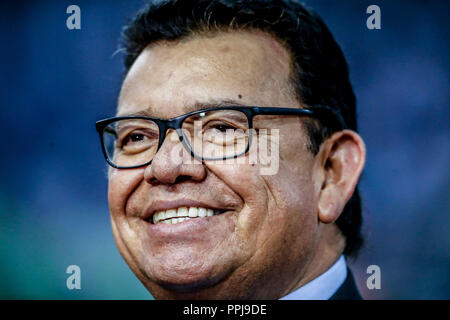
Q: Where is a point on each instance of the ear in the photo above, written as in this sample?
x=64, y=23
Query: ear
x=341, y=158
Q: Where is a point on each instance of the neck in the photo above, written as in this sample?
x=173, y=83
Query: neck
x=330, y=246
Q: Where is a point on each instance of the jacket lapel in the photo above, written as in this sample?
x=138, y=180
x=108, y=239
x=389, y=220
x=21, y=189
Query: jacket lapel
x=348, y=290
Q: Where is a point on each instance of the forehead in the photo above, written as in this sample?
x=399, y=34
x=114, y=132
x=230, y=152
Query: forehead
x=171, y=78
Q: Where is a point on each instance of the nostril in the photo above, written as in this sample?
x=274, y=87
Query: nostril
x=182, y=178
x=153, y=181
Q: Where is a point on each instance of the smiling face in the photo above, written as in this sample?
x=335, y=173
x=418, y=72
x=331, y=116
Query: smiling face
x=262, y=232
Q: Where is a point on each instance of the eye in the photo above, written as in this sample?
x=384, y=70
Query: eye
x=223, y=127
x=219, y=126
x=132, y=138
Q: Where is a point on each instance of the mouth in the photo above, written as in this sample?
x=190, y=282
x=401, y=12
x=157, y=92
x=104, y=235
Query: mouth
x=181, y=214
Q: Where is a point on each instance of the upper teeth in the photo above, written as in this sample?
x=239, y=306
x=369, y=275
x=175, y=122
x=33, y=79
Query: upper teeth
x=177, y=215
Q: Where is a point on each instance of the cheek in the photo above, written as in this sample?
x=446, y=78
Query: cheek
x=246, y=183
x=289, y=190
x=291, y=222
x=121, y=185
x=278, y=215
x=244, y=180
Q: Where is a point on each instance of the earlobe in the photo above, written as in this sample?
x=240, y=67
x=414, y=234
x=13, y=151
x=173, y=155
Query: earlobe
x=343, y=158
x=329, y=209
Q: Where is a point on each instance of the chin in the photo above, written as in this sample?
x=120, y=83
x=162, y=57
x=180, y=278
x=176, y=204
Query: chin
x=183, y=278
x=188, y=286
x=180, y=288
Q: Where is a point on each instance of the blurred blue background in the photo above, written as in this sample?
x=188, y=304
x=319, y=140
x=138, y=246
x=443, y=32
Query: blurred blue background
x=55, y=83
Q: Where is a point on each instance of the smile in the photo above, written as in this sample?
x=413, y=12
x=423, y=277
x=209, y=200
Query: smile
x=177, y=215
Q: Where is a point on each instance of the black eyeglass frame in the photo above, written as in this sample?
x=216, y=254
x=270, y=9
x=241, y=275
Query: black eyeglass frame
x=322, y=113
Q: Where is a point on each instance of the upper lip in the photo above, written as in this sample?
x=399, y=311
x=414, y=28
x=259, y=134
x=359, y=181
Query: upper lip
x=156, y=206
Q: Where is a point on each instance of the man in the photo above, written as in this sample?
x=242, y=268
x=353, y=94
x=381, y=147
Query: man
x=195, y=220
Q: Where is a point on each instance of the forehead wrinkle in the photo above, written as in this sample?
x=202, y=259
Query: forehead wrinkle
x=198, y=105
x=191, y=64
x=199, y=52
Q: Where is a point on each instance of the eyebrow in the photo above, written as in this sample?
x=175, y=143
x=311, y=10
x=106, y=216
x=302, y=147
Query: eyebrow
x=199, y=105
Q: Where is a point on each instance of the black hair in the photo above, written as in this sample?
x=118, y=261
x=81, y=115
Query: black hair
x=319, y=72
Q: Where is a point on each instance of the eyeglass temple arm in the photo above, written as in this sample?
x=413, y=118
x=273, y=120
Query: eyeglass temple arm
x=321, y=112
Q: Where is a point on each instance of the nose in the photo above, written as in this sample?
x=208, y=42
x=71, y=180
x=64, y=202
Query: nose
x=173, y=164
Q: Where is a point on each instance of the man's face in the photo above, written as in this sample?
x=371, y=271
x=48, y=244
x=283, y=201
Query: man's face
x=262, y=241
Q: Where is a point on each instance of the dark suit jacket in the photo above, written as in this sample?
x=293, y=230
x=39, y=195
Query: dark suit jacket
x=348, y=290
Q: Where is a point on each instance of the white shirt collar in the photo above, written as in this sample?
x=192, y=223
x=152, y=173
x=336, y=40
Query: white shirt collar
x=324, y=286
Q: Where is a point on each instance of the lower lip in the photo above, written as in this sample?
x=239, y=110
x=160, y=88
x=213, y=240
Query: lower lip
x=185, y=228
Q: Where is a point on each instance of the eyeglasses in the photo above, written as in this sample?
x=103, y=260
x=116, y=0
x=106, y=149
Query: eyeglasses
x=218, y=133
